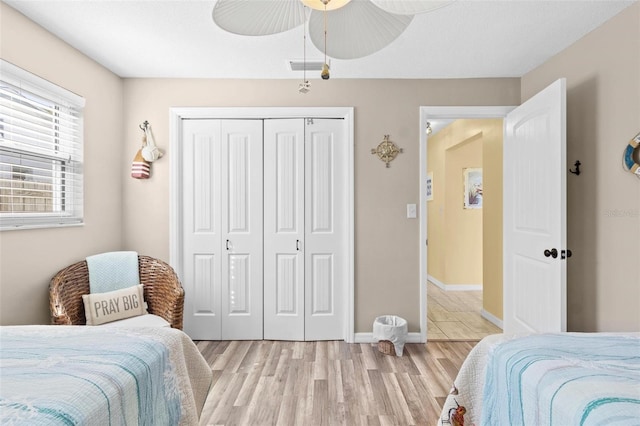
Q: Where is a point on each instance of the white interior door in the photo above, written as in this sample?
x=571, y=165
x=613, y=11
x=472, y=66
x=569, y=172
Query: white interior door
x=202, y=228
x=535, y=213
x=326, y=240
x=306, y=239
x=266, y=241
x=242, y=263
x=284, y=229
x=222, y=211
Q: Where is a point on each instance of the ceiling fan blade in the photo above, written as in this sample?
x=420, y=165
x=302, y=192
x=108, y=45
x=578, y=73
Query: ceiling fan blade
x=258, y=17
x=356, y=30
x=410, y=7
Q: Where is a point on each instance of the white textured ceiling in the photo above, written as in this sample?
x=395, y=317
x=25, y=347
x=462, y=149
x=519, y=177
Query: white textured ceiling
x=177, y=38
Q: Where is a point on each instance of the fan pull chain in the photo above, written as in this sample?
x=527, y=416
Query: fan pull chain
x=305, y=86
x=325, y=68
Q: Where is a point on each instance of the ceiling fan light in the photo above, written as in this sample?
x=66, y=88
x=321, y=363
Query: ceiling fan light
x=320, y=4
x=357, y=30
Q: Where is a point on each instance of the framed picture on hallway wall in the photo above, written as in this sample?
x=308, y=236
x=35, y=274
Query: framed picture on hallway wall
x=472, y=188
x=429, y=186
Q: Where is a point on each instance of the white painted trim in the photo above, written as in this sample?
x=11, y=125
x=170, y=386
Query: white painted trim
x=175, y=195
x=351, y=299
x=177, y=114
x=463, y=287
x=491, y=318
x=436, y=282
x=428, y=113
x=454, y=287
x=368, y=338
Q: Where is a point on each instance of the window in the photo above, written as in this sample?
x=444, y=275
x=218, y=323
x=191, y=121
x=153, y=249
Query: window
x=41, y=142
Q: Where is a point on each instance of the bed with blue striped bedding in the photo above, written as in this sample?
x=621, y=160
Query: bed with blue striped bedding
x=57, y=375
x=551, y=379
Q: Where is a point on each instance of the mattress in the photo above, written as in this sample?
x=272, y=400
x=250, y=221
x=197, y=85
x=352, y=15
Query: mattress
x=550, y=379
x=100, y=375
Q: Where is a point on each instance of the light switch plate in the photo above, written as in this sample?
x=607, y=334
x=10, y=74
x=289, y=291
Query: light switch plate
x=411, y=211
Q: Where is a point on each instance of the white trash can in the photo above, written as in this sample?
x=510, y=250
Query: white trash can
x=393, y=329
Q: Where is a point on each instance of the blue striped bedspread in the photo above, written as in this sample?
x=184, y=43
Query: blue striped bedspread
x=85, y=376
x=563, y=379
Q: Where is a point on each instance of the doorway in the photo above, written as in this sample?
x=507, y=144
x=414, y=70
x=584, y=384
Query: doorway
x=457, y=307
x=464, y=166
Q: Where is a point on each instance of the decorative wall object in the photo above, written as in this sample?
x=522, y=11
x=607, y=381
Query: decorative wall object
x=150, y=150
x=472, y=188
x=630, y=158
x=147, y=154
x=386, y=151
x=429, y=186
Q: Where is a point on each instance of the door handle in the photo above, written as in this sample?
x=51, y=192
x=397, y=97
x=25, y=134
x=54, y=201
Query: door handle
x=565, y=254
x=297, y=245
x=553, y=253
x=227, y=245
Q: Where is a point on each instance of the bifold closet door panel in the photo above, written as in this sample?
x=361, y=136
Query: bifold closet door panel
x=202, y=232
x=222, y=211
x=284, y=229
x=265, y=206
x=326, y=220
x=242, y=221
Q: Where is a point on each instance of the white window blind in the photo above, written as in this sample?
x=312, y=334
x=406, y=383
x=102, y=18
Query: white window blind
x=41, y=143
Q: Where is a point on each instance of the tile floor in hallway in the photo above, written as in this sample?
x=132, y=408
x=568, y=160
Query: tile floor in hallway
x=455, y=315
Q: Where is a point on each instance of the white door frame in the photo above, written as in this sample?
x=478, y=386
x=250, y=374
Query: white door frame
x=176, y=115
x=431, y=113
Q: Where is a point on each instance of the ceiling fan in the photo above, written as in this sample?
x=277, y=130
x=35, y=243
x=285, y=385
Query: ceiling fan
x=357, y=28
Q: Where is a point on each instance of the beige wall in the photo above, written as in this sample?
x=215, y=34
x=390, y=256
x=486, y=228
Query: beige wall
x=603, y=203
x=455, y=233
x=29, y=258
x=602, y=73
x=123, y=213
x=436, y=150
x=386, y=242
x=463, y=227
x=492, y=217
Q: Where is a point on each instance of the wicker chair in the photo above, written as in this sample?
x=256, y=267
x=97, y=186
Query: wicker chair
x=162, y=292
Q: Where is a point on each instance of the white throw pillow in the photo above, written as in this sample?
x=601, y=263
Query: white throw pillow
x=100, y=308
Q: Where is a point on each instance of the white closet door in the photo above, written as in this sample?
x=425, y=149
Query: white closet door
x=306, y=213
x=242, y=216
x=300, y=214
x=284, y=229
x=326, y=240
x=222, y=195
x=202, y=230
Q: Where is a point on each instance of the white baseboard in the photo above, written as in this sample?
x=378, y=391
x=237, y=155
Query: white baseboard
x=368, y=338
x=491, y=318
x=454, y=287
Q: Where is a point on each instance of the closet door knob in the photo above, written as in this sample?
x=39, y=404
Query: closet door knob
x=553, y=253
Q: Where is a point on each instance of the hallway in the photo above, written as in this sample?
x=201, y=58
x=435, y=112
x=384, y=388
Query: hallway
x=455, y=315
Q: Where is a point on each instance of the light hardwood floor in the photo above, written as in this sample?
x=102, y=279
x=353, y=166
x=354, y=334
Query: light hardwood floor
x=266, y=383
x=455, y=315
